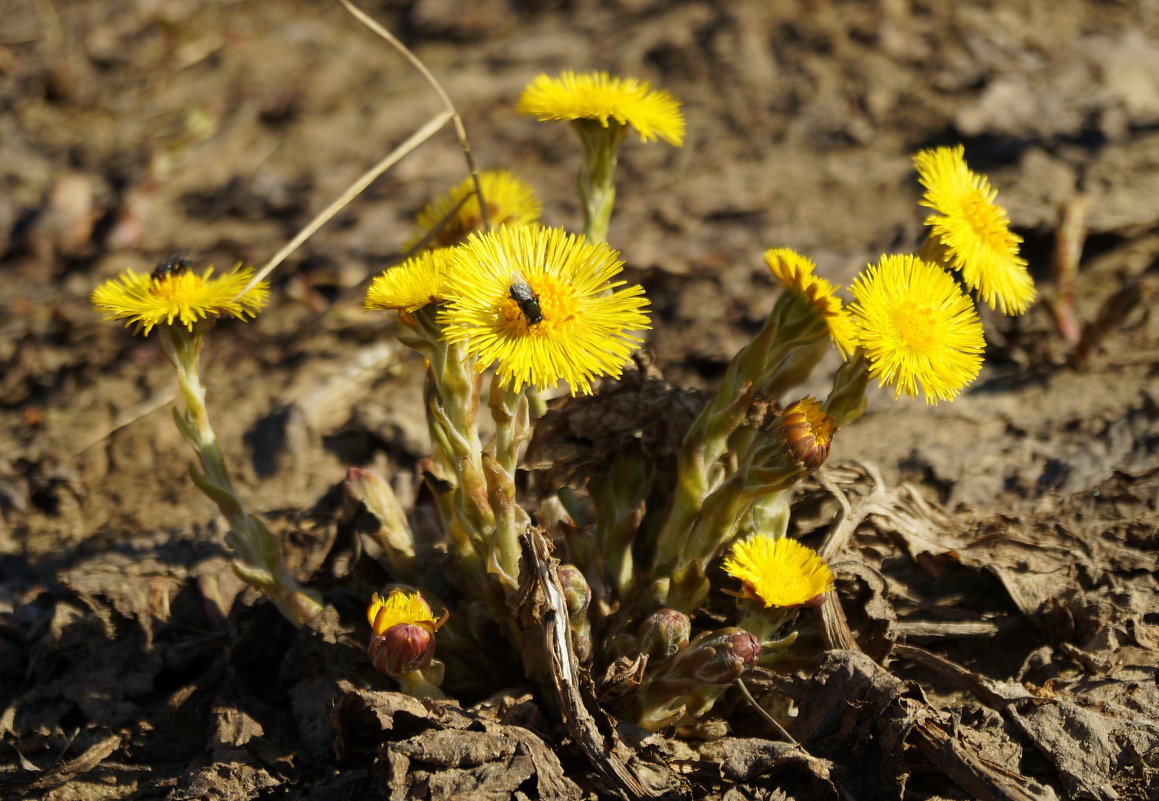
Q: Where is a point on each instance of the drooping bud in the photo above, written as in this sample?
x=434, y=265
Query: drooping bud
x=663, y=633
x=807, y=431
x=716, y=657
x=687, y=685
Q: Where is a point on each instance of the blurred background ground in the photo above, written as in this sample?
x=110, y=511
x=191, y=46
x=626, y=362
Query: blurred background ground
x=131, y=130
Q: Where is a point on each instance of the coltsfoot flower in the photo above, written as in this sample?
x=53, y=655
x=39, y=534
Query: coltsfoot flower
x=778, y=572
x=973, y=231
x=917, y=328
x=795, y=272
x=412, y=284
x=404, y=632
x=603, y=97
x=510, y=201
x=808, y=432
x=543, y=306
x=401, y=607
x=172, y=292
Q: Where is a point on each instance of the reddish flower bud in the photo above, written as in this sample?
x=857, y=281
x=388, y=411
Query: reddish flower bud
x=717, y=657
x=404, y=647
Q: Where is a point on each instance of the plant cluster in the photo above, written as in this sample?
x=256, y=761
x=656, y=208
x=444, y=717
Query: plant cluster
x=501, y=308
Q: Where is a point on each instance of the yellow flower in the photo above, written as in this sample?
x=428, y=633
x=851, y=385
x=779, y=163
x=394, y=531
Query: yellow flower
x=778, y=572
x=600, y=96
x=412, y=284
x=795, y=272
x=973, y=231
x=509, y=200
x=401, y=607
x=540, y=303
x=917, y=328
x=147, y=300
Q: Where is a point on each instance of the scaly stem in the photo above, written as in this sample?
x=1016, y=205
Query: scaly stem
x=452, y=412
x=259, y=561
x=597, y=185
x=510, y=411
x=782, y=354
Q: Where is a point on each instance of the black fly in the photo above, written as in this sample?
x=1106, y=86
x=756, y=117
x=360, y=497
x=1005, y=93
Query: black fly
x=177, y=263
x=527, y=300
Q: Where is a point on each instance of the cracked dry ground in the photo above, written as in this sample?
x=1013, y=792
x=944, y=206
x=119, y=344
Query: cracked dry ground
x=996, y=557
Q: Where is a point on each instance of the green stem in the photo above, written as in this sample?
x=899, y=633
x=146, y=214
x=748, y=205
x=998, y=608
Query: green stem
x=415, y=684
x=619, y=496
x=597, y=186
x=259, y=561
x=452, y=400
x=782, y=354
x=510, y=411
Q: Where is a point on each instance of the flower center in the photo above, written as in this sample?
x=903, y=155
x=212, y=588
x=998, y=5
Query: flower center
x=174, y=288
x=917, y=325
x=984, y=217
x=554, y=300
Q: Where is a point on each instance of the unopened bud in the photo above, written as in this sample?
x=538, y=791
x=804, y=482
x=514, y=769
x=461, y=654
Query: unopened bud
x=404, y=632
x=808, y=432
x=403, y=648
x=576, y=592
x=847, y=399
x=393, y=532
x=717, y=657
x=578, y=597
x=663, y=633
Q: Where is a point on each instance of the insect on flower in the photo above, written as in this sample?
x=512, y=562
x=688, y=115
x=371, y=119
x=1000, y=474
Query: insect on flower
x=177, y=263
x=528, y=301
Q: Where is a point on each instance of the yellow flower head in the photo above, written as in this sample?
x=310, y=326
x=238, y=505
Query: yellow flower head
x=795, y=272
x=973, y=231
x=412, y=284
x=509, y=200
x=543, y=305
x=778, y=572
x=602, y=97
x=917, y=328
x=172, y=292
x=401, y=607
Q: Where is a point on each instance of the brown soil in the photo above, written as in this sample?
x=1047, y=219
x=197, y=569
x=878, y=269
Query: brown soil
x=1015, y=630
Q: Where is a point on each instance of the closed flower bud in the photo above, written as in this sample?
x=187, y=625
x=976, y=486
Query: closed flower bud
x=404, y=632
x=576, y=592
x=847, y=400
x=664, y=633
x=717, y=657
x=404, y=647
x=808, y=432
x=578, y=597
